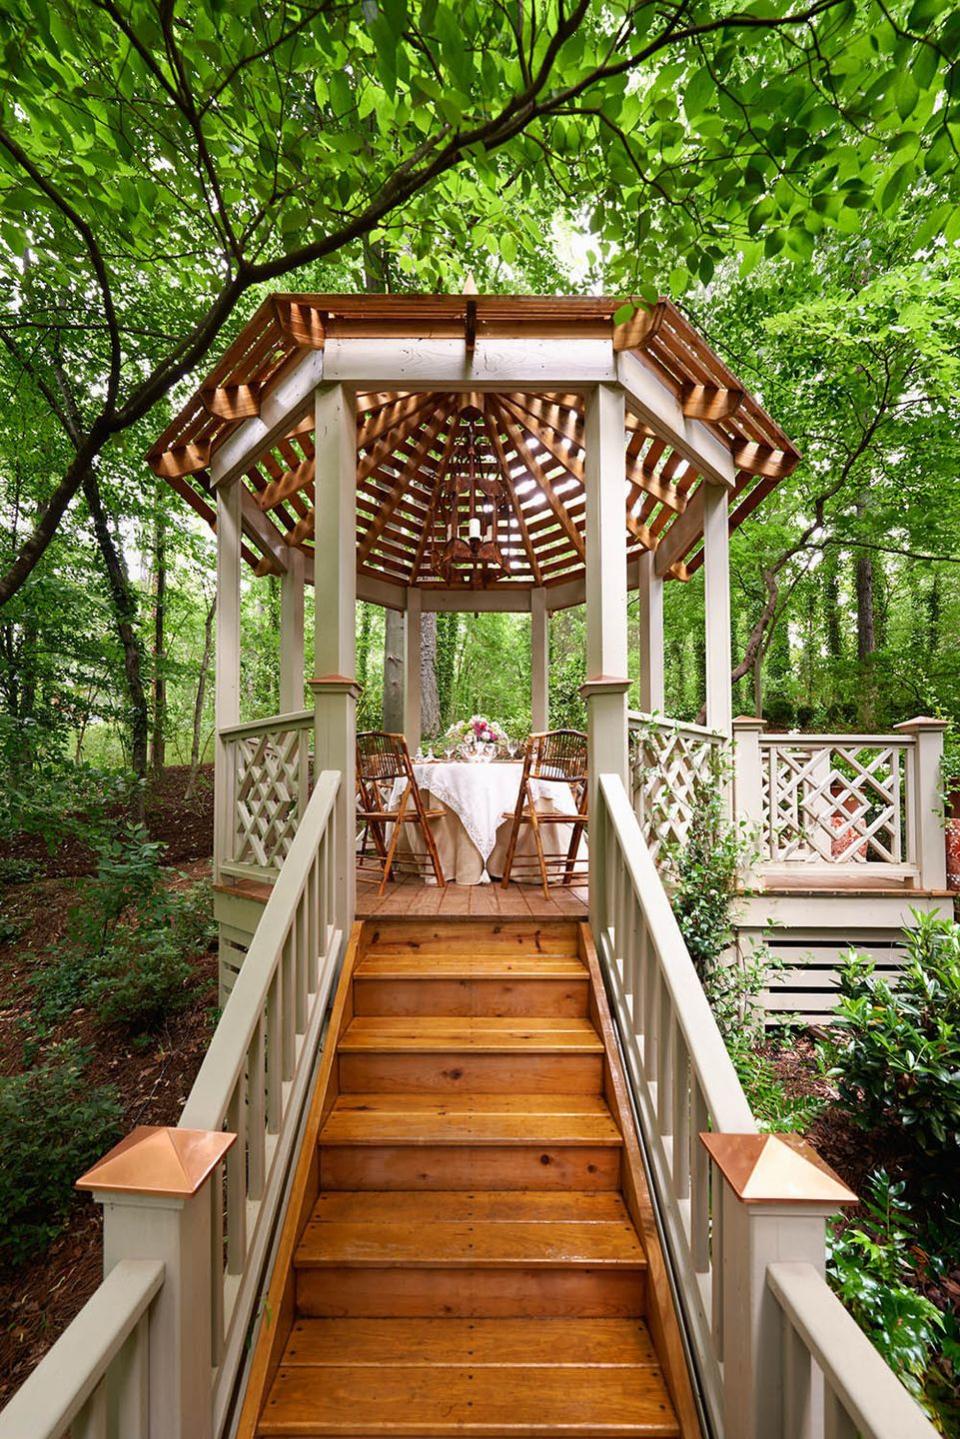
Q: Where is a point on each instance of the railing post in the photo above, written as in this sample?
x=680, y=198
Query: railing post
x=925, y=800
x=775, y=1195
x=748, y=799
x=335, y=699
x=227, y=691
x=155, y=1190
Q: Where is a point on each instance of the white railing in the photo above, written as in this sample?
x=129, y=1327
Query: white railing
x=264, y=787
x=859, y=1394
x=723, y=1250
x=835, y=799
x=94, y=1381
x=254, y=1079
x=669, y=761
x=679, y=1069
x=111, y=1374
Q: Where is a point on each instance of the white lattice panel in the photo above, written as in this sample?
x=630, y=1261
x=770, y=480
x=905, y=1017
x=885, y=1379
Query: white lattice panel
x=669, y=761
x=270, y=794
x=833, y=803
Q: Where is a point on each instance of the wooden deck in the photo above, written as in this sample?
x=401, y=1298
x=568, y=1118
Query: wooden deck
x=411, y=897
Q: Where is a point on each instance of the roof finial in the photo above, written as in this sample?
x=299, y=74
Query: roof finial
x=470, y=284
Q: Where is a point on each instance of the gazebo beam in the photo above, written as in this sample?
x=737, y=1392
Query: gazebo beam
x=716, y=606
x=650, y=624
x=495, y=364
x=651, y=399
x=539, y=661
x=279, y=410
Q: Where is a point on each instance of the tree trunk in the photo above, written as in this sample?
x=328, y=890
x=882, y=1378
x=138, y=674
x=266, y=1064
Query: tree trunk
x=866, y=620
x=831, y=604
x=429, y=694
x=393, y=672
x=158, y=752
x=125, y=615
x=198, y=703
x=448, y=633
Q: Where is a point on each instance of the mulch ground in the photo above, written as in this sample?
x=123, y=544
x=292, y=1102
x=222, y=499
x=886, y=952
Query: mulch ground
x=40, y=1298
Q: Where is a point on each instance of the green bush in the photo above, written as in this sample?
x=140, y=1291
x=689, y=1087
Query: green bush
x=131, y=940
x=896, y=1053
x=52, y=1127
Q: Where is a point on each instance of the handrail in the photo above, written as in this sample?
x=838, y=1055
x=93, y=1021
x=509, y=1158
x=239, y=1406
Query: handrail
x=254, y=1079
x=106, y=1342
x=295, y=719
x=861, y=1394
x=638, y=719
x=803, y=740
x=683, y=1084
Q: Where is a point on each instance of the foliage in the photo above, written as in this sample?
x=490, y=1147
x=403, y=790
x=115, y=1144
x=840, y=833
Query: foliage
x=131, y=940
x=896, y=1054
x=870, y=1265
x=703, y=874
x=53, y=1125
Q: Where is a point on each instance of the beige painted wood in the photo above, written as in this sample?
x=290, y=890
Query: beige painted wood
x=649, y=397
x=650, y=624
x=716, y=571
x=539, y=661
x=263, y=532
x=412, y=656
x=287, y=403
x=335, y=599
x=925, y=817
x=291, y=632
x=227, y=686
x=392, y=363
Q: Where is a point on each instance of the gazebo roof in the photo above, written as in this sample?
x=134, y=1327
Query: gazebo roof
x=407, y=437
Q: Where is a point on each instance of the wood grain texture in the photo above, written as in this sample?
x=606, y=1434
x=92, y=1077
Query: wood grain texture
x=457, y=1166
x=615, y=1293
x=504, y=997
x=460, y=1072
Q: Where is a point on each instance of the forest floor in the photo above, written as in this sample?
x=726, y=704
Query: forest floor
x=39, y=1298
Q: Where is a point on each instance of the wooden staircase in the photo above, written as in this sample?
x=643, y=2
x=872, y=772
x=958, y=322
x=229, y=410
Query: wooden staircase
x=469, y=1247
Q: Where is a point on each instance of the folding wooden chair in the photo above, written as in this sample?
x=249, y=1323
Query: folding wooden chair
x=382, y=761
x=557, y=755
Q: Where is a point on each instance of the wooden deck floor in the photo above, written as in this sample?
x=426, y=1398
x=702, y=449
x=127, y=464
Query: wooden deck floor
x=409, y=896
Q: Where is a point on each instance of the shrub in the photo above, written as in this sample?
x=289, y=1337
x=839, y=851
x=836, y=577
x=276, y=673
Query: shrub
x=896, y=1054
x=131, y=940
x=52, y=1127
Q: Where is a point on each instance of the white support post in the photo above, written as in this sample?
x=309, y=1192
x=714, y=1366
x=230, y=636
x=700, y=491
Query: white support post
x=748, y=787
x=227, y=697
x=539, y=661
x=650, y=621
x=716, y=571
x=155, y=1188
x=607, y=683
x=926, y=819
x=335, y=596
x=412, y=656
x=291, y=633
x=774, y=1196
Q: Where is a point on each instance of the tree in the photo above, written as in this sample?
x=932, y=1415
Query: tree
x=217, y=149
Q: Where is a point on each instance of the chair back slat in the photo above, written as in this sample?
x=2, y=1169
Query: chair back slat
x=381, y=756
x=560, y=754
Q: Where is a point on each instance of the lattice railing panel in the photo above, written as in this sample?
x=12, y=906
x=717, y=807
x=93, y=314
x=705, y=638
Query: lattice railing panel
x=830, y=801
x=270, y=787
x=669, y=760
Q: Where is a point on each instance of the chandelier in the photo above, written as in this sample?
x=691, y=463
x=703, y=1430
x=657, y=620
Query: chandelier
x=472, y=507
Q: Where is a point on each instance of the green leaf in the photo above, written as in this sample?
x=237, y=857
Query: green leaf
x=906, y=93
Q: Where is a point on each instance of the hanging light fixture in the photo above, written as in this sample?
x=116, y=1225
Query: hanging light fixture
x=472, y=504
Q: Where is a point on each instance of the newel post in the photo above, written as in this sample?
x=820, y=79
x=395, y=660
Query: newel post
x=925, y=807
x=748, y=786
x=772, y=1197
x=155, y=1188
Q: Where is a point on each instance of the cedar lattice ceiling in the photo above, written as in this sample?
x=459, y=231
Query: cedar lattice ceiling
x=407, y=440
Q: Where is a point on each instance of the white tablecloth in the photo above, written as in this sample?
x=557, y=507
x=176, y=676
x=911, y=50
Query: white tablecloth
x=479, y=796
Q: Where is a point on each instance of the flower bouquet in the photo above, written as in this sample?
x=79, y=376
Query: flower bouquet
x=475, y=739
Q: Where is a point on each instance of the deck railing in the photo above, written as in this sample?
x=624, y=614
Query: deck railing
x=156, y=1352
x=669, y=759
x=254, y=1079
x=94, y=1382
x=726, y=1253
x=263, y=789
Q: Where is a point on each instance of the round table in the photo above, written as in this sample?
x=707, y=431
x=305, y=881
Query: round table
x=472, y=835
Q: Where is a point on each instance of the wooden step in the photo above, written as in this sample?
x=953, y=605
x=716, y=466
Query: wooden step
x=469, y=1142
x=390, y=1054
x=434, y=1263
x=399, y=962
x=439, y=1034
x=504, y=996
x=503, y=1377
x=471, y=936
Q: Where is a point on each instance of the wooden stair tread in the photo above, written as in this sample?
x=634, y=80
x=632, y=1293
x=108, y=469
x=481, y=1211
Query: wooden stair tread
x=436, y=1034
x=431, y=1400
x=406, y=965
x=374, y=1206
x=470, y=1119
x=503, y=1343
